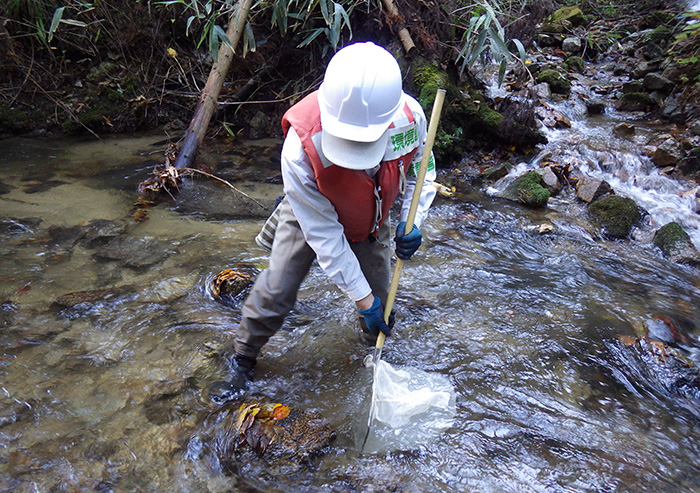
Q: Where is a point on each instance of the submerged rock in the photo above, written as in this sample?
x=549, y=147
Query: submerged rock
x=133, y=252
x=616, y=215
x=675, y=244
x=283, y=437
x=100, y=231
x=71, y=299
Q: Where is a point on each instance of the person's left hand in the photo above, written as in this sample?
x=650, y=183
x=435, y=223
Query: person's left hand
x=407, y=244
x=374, y=318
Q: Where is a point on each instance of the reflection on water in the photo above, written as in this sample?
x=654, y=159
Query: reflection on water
x=106, y=393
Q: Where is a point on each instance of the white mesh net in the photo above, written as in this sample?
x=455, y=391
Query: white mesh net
x=410, y=407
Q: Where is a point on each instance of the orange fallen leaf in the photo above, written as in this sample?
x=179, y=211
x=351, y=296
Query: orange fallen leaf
x=280, y=412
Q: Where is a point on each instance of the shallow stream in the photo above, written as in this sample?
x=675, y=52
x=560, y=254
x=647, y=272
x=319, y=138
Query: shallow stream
x=110, y=394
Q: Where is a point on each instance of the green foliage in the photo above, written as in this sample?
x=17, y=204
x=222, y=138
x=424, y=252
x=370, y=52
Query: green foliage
x=483, y=39
x=335, y=18
x=314, y=19
x=204, y=17
x=689, y=36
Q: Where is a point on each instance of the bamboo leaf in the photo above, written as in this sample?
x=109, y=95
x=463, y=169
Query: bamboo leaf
x=499, y=45
x=73, y=22
x=314, y=34
x=521, y=50
x=248, y=39
x=502, y=71
x=479, y=47
x=57, y=15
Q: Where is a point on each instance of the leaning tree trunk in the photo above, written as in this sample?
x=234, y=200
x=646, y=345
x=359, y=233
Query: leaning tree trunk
x=210, y=94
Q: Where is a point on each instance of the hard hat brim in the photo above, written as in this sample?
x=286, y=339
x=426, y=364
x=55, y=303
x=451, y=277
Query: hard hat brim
x=352, y=154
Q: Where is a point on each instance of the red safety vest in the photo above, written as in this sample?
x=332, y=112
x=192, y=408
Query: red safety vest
x=362, y=203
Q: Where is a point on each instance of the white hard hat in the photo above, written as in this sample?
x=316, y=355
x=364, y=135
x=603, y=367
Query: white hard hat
x=360, y=94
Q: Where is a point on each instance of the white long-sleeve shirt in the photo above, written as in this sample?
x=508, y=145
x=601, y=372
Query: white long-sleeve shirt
x=318, y=218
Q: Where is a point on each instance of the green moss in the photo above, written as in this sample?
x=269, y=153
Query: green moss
x=429, y=79
x=99, y=73
x=13, y=120
x=490, y=118
x=556, y=23
x=575, y=64
x=527, y=189
x=615, y=214
x=130, y=84
x=558, y=83
x=635, y=101
x=669, y=237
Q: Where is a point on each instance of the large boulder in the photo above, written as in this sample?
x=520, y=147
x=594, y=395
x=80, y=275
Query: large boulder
x=616, y=215
x=676, y=245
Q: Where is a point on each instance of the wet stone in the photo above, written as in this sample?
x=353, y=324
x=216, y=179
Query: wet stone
x=293, y=440
x=5, y=188
x=594, y=107
x=550, y=180
x=133, y=252
x=42, y=186
x=623, y=130
x=90, y=296
x=100, y=231
x=13, y=410
x=10, y=226
x=66, y=236
x=590, y=189
x=668, y=153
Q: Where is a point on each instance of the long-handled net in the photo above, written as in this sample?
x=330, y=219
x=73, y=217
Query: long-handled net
x=412, y=404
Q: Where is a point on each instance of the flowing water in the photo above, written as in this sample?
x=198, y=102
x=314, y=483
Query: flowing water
x=110, y=394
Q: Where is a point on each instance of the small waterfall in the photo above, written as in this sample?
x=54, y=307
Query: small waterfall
x=591, y=148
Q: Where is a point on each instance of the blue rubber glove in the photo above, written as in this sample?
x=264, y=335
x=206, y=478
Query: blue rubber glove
x=374, y=318
x=407, y=244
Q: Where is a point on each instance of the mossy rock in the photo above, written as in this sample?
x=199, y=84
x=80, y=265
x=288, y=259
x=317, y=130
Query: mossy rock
x=675, y=244
x=14, y=120
x=557, y=21
x=102, y=71
x=528, y=189
x=635, y=101
x=632, y=87
x=557, y=82
x=468, y=118
x=575, y=64
x=617, y=215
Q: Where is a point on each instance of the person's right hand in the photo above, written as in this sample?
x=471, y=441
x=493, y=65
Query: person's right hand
x=374, y=318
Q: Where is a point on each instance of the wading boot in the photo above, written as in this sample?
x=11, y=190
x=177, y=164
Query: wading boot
x=241, y=375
